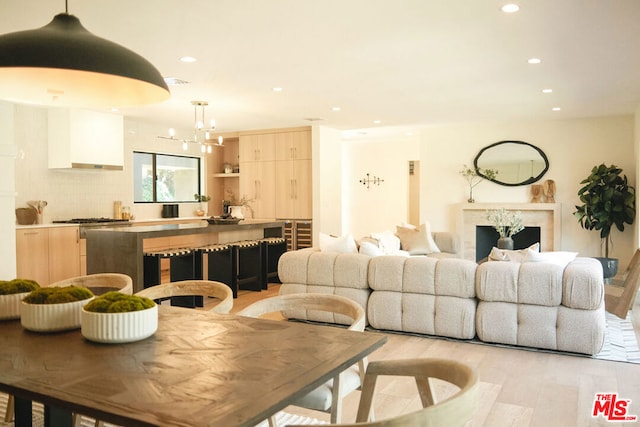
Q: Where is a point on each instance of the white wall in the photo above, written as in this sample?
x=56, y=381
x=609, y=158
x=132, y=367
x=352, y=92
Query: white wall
x=381, y=207
x=573, y=148
x=7, y=193
x=85, y=193
x=327, y=179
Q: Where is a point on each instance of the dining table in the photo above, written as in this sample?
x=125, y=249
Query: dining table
x=198, y=369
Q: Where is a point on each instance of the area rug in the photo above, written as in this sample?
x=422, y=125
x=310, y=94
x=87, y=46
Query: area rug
x=620, y=344
x=282, y=418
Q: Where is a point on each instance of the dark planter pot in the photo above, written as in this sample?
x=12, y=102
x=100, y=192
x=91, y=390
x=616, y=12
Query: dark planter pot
x=609, y=266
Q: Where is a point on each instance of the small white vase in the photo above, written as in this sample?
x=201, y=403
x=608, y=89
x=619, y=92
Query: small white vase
x=237, y=212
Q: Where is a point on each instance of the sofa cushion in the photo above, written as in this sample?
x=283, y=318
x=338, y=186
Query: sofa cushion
x=343, y=244
x=417, y=241
x=583, y=286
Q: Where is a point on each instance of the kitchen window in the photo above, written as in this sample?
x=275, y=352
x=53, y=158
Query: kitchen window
x=165, y=177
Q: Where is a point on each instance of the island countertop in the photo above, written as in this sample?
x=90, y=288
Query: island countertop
x=121, y=249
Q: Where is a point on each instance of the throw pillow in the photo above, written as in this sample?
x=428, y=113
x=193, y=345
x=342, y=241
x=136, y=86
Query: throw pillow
x=345, y=244
x=561, y=258
x=388, y=242
x=516, y=255
x=368, y=248
x=417, y=241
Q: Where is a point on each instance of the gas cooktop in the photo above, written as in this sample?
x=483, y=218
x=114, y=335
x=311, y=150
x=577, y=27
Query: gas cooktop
x=90, y=220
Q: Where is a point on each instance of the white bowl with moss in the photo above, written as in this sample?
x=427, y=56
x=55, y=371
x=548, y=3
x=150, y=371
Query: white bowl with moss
x=53, y=309
x=11, y=294
x=116, y=318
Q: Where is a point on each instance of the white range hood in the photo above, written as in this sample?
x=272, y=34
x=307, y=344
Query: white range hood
x=85, y=139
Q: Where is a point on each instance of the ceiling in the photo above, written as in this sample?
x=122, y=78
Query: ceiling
x=406, y=63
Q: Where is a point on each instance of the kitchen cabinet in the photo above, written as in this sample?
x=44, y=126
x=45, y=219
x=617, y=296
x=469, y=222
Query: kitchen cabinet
x=293, y=194
x=48, y=254
x=257, y=148
x=258, y=183
x=220, y=184
x=294, y=146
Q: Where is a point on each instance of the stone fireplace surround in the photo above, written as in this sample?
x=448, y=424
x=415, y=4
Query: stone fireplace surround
x=547, y=216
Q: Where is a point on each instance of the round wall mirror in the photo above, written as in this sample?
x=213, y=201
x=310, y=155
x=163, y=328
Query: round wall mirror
x=517, y=163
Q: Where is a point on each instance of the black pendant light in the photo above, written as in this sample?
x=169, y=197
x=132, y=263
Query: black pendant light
x=63, y=64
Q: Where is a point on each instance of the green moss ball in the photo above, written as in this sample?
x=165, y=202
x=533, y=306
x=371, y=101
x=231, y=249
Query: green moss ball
x=17, y=286
x=57, y=295
x=117, y=302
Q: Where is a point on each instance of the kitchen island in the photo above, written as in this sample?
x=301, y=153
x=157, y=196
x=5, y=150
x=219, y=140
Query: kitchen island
x=121, y=249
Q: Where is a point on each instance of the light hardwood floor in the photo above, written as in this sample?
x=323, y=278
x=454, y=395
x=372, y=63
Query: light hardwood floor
x=518, y=387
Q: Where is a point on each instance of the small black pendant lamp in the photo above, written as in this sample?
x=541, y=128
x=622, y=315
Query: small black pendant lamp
x=63, y=64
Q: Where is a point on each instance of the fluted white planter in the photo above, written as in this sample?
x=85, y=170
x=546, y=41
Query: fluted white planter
x=52, y=317
x=119, y=327
x=10, y=305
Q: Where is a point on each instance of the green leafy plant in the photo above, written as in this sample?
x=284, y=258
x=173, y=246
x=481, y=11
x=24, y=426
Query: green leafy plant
x=607, y=201
x=201, y=197
x=507, y=223
x=117, y=302
x=57, y=295
x=17, y=286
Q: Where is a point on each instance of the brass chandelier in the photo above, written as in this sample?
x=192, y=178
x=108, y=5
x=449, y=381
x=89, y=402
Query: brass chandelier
x=201, y=135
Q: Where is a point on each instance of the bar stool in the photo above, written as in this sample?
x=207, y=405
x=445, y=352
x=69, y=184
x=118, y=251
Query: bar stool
x=181, y=267
x=248, y=255
x=272, y=250
x=221, y=265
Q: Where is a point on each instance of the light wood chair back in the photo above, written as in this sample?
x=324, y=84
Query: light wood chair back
x=348, y=380
x=204, y=288
x=100, y=283
x=619, y=296
x=455, y=410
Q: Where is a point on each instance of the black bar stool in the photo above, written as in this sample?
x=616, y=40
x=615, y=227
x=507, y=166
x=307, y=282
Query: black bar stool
x=221, y=264
x=248, y=264
x=272, y=250
x=181, y=267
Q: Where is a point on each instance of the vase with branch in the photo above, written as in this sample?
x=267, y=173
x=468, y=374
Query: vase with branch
x=507, y=224
x=244, y=202
x=473, y=178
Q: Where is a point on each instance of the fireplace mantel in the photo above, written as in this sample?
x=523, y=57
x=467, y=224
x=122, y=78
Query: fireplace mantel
x=547, y=216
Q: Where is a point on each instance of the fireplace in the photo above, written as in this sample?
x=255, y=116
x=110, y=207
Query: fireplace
x=487, y=238
x=545, y=217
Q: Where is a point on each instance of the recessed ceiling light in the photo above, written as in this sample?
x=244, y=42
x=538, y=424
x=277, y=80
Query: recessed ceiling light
x=547, y=90
x=377, y=122
x=510, y=8
x=556, y=109
x=188, y=59
x=276, y=89
x=534, y=61
x=335, y=109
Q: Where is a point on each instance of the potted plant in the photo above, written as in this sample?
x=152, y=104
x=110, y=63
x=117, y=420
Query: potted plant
x=53, y=308
x=115, y=317
x=507, y=224
x=607, y=201
x=11, y=294
x=203, y=199
x=473, y=179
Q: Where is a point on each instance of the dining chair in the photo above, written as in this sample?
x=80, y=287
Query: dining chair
x=100, y=283
x=204, y=288
x=454, y=410
x=328, y=397
x=619, y=295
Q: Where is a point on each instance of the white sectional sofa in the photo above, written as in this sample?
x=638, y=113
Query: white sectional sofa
x=536, y=304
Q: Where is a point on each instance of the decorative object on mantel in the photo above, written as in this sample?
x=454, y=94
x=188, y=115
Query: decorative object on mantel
x=205, y=141
x=607, y=200
x=507, y=224
x=536, y=193
x=474, y=178
x=549, y=190
x=367, y=181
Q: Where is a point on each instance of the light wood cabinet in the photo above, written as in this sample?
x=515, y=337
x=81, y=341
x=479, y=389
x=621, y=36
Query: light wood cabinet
x=64, y=253
x=293, y=195
x=257, y=148
x=293, y=146
x=48, y=255
x=258, y=183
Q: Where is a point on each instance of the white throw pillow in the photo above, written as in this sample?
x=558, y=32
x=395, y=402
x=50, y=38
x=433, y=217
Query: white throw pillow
x=344, y=244
x=368, y=248
x=388, y=242
x=516, y=255
x=561, y=258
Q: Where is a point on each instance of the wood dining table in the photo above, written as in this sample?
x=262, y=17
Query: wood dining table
x=198, y=369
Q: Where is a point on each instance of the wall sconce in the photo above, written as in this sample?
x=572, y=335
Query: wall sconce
x=367, y=181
